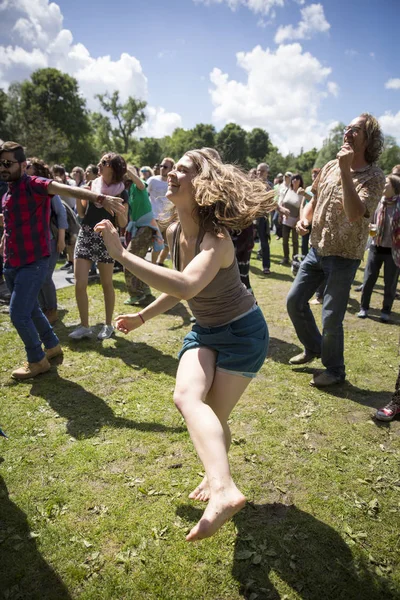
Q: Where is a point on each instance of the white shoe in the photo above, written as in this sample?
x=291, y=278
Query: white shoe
x=363, y=314
x=105, y=332
x=81, y=332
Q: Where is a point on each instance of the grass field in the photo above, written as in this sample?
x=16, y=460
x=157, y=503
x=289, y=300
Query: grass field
x=98, y=466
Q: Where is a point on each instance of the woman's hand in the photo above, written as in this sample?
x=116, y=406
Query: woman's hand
x=110, y=237
x=127, y=323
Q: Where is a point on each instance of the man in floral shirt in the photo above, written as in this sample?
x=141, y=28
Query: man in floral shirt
x=346, y=193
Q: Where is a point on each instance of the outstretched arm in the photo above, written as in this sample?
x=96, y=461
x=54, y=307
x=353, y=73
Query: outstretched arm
x=195, y=277
x=111, y=204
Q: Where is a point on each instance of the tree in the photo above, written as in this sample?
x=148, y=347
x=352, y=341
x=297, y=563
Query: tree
x=304, y=163
x=390, y=155
x=50, y=118
x=258, y=143
x=330, y=146
x=149, y=152
x=202, y=136
x=232, y=144
x=101, y=132
x=129, y=117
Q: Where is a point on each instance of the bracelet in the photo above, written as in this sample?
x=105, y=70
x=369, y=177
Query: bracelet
x=141, y=318
x=100, y=199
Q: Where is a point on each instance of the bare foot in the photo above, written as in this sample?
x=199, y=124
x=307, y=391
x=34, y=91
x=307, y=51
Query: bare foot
x=202, y=492
x=221, y=507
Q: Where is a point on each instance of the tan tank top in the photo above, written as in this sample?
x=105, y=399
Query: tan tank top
x=224, y=299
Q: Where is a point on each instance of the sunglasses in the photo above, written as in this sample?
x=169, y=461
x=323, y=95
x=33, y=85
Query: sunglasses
x=7, y=163
x=165, y=166
x=352, y=129
x=105, y=163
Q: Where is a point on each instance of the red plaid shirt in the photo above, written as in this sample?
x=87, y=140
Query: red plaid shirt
x=26, y=212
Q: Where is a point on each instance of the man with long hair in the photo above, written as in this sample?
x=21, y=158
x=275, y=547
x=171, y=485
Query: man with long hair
x=346, y=194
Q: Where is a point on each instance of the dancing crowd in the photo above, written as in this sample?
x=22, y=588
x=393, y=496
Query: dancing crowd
x=205, y=214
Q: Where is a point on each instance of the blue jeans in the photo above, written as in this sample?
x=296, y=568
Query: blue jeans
x=33, y=328
x=338, y=274
x=48, y=295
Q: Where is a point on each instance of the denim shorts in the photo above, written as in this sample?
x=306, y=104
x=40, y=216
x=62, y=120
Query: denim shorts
x=241, y=346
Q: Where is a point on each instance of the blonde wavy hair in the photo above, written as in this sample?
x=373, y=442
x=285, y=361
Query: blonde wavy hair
x=224, y=195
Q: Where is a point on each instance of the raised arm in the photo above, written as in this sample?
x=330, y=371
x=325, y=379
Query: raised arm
x=353, y=207
x=195, y=277
x=111, y=204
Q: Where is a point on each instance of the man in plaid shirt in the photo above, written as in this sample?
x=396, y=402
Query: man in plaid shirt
x=25, y=246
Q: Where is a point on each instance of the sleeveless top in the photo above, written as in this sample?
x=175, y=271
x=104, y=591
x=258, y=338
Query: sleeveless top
x=224, y=299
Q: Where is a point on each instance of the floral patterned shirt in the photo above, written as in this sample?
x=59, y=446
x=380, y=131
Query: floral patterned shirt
x=332, y=233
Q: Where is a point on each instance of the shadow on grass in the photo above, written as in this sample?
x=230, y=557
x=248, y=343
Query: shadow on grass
x=273, y=275
x=348, y=391
x=305, y=553
x=281, y=351
x=137, y=355
x=308, y=555
x=85, y=412
x=23, y=573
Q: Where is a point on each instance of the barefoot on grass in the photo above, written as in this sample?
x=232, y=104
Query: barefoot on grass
x=202, y=492
x=220, y=508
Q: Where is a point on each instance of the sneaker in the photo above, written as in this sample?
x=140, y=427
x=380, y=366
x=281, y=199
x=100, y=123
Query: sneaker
x=67, y=265
x=303, y=358
x=266, y=271
x=81, y=332
x=105, y=332
x=384, y=317
x=363, y=314
x=31, y=369
x=70, y=269
x=388, y=412
x=359, y=288
x=325, y=379
x=284, y=262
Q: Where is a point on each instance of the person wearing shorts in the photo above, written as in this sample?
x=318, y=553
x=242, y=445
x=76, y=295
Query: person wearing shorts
x=229, y=341
x=90, y=247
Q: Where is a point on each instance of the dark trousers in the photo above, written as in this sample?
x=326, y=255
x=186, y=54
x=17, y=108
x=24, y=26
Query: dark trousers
x=378, y=256
x=285, y=240
x=264, y=234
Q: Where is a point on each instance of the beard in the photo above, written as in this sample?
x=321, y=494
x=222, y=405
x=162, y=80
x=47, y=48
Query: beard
x=7, y=176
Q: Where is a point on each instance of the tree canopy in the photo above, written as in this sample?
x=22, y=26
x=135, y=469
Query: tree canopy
x=49, y=117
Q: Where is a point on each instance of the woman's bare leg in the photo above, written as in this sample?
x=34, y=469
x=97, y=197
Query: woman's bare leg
x=81, y=271
x=106, y=279
x=195, y=377
x=225, y=392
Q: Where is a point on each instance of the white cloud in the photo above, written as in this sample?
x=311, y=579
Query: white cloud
x=333, y=88
x=313, y=21
x=390, y=124
x=282, y=95
x=393, y=84
x=259, y=7
x=34, y=38
x=159, y=123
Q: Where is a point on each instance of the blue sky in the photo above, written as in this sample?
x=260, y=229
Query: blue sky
x=290, y=66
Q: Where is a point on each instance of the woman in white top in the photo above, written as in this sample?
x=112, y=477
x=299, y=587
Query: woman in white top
x=292, y=201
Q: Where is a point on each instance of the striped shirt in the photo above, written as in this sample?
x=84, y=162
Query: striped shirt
x=26, y=212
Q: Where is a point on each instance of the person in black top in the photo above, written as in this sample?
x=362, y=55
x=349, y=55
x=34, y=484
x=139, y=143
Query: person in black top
x=90, y=246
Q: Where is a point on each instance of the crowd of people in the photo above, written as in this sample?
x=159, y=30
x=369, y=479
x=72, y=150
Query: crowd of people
x=204, y=213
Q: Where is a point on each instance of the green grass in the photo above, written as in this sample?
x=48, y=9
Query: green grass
x=96, y=473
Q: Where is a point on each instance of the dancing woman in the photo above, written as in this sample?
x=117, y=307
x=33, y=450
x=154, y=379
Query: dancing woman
x=228, y=344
